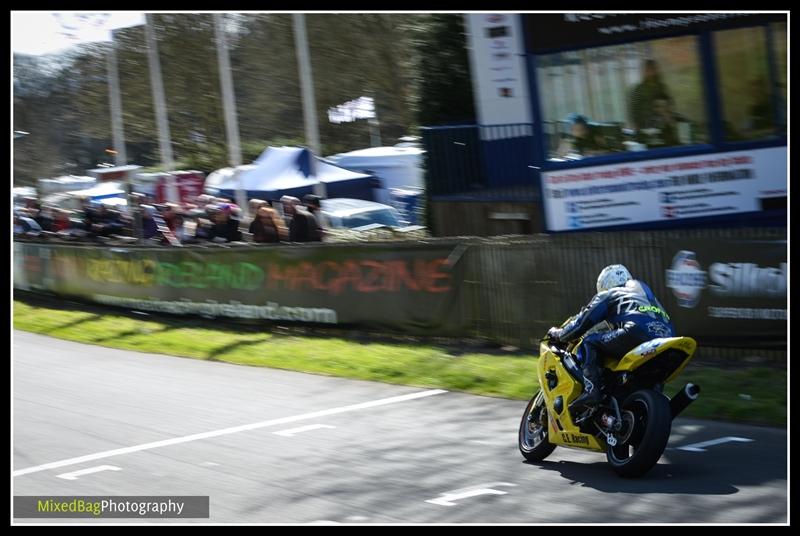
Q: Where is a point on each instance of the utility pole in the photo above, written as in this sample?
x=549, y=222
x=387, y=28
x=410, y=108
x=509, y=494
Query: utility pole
x=307, y=86
x=228, y=96
x=117, y=129
x=229, y=107
x=157, y=85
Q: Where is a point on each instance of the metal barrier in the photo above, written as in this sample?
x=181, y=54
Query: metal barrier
x=508, y=289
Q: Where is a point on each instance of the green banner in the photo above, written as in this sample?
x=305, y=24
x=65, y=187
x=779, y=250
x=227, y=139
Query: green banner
x=404, y=287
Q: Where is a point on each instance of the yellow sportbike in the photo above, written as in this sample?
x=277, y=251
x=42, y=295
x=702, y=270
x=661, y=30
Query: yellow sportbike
x=633, y=421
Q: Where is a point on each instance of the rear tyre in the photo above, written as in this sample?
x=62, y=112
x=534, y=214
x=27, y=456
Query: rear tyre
x=647, y=423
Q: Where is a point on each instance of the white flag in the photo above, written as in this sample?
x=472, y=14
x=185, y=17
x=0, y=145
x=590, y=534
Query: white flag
x=360, y=108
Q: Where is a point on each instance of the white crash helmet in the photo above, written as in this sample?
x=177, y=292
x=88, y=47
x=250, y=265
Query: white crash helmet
x=612, y=276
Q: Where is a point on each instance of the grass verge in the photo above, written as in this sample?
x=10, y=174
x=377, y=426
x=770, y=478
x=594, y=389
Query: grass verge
x=755, y=395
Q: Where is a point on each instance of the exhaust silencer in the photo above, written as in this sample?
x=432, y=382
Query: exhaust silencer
x=683, y=398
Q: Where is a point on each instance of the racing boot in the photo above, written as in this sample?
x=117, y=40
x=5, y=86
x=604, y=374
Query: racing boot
x=592, y=375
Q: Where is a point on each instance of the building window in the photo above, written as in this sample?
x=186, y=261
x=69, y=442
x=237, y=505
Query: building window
x=618, y=98
x=743, y=72
x=779, y=51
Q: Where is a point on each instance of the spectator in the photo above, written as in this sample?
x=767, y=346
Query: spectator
x=45, y=218
x=663, y=124
x=204, y=200
x=170, y=214
x=180, y=232
x=643, y=96
x=253, y=205
x=26, y=226
x=149, y=226
x=105, y=222
x=61, y=221
x=267, y=227
x=760, y=114
x=42, y=216
x=195, y=226
x=170, y=224
x=225, y=228
x=205, y=221
x=305, y=226
x=584, y=140
x=289, y=205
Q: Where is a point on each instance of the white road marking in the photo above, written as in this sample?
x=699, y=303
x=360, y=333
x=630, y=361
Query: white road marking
x=357, y=518
x=700, y=447
x=448, y=497
x=227, y=431
x=75, y=474
x=292, y=431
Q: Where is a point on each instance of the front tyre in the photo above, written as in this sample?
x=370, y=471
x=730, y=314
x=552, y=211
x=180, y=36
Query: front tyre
x=647, y=423
x=533, y=442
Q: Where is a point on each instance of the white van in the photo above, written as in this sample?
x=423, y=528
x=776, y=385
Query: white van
x=396, y=167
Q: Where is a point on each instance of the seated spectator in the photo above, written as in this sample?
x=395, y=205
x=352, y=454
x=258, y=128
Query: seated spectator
x=42, y=215
x=205, y=221
x=193, y=230
x=253, y=205
x=661, y=128
x=149, y=226
x=584, y=140
x=61, y=221
x=289, y=203
x=180, y=232
x=305, y=227
x=204, y=200
x=170, y=214
x=166, y=219
x=226, y=227
x=105, y=222
x=267, y=227
x=23, y=225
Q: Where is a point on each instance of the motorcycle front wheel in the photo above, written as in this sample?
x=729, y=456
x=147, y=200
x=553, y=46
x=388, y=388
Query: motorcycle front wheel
x=533, y=442
x=646, y=425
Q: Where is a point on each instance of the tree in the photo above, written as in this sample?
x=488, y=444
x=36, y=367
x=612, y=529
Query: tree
x=414, y=66
x=445, y=84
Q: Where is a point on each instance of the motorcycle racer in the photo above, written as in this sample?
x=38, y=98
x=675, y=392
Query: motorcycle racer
x=634, y=314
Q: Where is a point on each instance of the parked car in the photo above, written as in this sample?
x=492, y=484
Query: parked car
x=343, y=213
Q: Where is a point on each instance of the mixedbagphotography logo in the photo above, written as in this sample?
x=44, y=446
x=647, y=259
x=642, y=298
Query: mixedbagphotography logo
x=686, y=278
x=77, y=506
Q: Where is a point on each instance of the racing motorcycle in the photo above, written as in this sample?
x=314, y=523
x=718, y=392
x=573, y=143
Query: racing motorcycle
x=633, y=421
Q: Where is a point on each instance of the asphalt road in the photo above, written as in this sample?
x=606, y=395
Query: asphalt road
x=271, y=446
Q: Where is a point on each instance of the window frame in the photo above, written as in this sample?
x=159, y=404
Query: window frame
x=712, y=99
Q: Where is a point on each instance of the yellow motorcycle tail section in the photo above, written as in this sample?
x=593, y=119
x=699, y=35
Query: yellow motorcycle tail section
x=671, y=352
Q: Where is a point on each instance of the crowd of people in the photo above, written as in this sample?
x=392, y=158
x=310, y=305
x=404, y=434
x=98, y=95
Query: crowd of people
x=207, y=219
x=654, y=120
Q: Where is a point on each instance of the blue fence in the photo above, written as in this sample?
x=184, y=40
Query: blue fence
x=484, y=161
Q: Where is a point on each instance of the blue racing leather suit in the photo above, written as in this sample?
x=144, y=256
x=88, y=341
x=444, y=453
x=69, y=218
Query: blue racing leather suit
x=635, y=316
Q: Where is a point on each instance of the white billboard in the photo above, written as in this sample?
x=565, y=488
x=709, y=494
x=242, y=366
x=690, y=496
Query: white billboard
x=499, y=75
x=663, y=190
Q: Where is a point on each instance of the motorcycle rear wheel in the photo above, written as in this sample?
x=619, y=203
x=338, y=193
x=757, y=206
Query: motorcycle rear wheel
x=533, y=430
x=647, y=423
